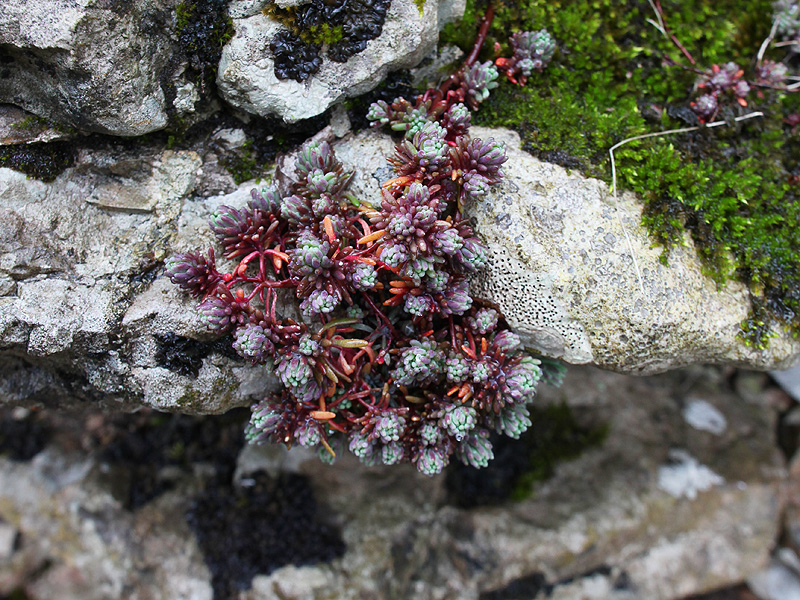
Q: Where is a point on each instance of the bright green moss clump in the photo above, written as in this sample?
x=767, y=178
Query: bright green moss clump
x=733, y=188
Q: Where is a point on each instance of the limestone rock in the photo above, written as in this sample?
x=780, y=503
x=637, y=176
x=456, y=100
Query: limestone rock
x=86, y=311
x=561, y=271
x=246, y=76
x=573, y=270
x=95, y=66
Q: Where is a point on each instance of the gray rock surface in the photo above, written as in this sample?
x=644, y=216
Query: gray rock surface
x=74, y=255
x=602, y=527
x=246, y=77
x=90, y=65
x=562, y=274
x=789, y=380
x=781, y=580
x=19, y=127
x=86, y=312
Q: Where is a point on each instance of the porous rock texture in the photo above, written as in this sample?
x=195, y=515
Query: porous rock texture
x=95, y=66
x=574, y=272
x=661, y=509
x=83, y=311
x=87, y=313
x=247, y=80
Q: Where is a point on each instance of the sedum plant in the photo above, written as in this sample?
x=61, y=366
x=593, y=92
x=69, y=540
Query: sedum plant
x=393, y=358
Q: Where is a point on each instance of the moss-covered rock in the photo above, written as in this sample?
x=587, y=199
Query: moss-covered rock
x=734, y=188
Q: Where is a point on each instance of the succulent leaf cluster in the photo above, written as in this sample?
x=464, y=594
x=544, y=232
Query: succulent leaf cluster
x=714, y=84
x=533, y=51
x=786, y=14
x=393, y=358
x=729, y=81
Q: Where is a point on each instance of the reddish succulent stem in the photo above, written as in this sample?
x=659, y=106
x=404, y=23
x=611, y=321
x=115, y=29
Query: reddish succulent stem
x=455, y=78
x=379, y=313
x=671, y=35
x=488, y=17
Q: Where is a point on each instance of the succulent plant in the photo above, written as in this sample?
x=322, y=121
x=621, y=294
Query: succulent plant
x=394, y=360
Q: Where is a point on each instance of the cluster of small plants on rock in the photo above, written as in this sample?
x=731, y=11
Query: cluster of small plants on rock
x=392, y=357
x=727, y=82
x=620, y=75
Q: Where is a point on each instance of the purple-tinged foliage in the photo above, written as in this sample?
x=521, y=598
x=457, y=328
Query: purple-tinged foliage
x=533, y=50
x=252, y=342
x=787, y=21
x=432, y=460
x=476, y=450
x=726, y=81
x=394, y=360
x=193, y=272
x=478, y=81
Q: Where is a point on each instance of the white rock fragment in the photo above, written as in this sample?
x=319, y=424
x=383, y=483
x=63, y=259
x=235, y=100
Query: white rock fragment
x=705, y=417
x=8, y=538
x=246, y=76
x=186, y=96
x=779, y=581
x=789, y=380
x=686, y=477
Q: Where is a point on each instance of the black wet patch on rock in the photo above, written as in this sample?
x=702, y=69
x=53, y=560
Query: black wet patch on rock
x=22, y=436
x=294, y=58
x=141, y=446
x=43, y=161
x=554, y=436
x=343, y=26
x=533, y=586
x=185, y=356
x=524, y=588
x=258, y=528
x=203, y=28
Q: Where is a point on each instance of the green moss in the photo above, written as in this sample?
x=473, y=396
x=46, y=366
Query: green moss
x=32, y=123
x=316, y=34
x=35, y=123
x=554, y=437
x=734, y=189
x=420, y=5
x=244, y=164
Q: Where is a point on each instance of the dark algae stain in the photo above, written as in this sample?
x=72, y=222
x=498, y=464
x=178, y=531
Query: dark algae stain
x=22, y=436
x=733, y=188
x=259, y=526
x=554, y=436
x=142, y=445
x=203, y=28
x=185, y=356
x=43, y=161
x=339, y=29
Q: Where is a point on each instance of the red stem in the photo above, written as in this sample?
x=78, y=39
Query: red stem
x=488, y=17
x=672, y=35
